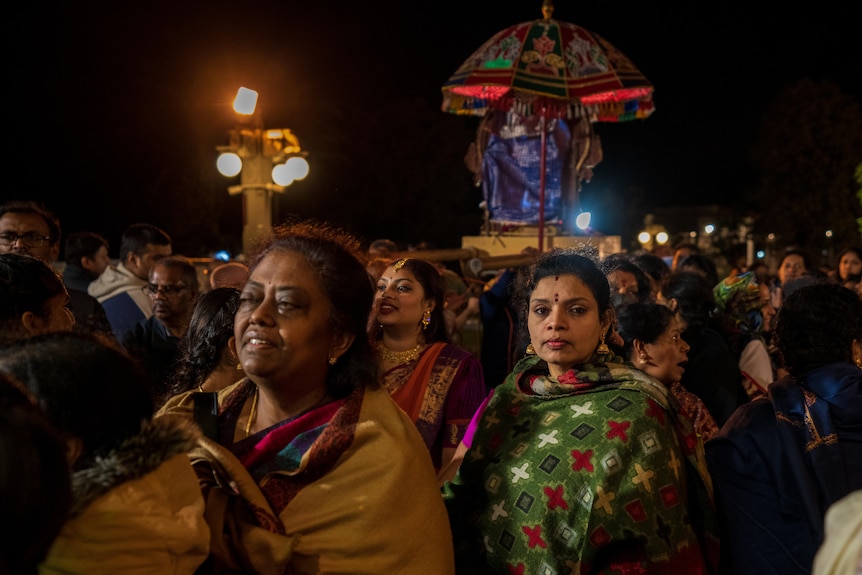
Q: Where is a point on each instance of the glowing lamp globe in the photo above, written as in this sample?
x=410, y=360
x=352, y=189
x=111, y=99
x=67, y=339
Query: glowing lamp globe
x=281, y=175
x=298, y=167
x=583, y=220
x=229, y=164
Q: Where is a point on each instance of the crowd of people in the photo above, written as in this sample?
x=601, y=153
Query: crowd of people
x=316, y=408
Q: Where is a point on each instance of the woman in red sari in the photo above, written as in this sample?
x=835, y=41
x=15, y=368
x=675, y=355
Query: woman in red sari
x=308, y=455
x=437, y=383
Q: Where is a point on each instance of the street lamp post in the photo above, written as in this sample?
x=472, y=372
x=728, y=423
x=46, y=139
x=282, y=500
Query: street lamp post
x=652, y=235
x=268, y=160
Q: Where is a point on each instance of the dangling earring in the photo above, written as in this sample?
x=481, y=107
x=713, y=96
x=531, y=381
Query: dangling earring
x=426, y=319
x=238, y=366
x=332, y=360
x=603, y=347
x=859, y=362
x=530, y=350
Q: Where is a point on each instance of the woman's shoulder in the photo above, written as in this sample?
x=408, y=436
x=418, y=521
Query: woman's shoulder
x=388, y=467
x=150, y=522
x=453, y=354
x=385, y=439
x=380, y=411
x=159, y=441
x=143, y=498
x=183, y=404
x=627, y=377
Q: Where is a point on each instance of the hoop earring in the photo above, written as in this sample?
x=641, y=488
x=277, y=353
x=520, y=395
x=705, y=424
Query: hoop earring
x=426, y=319
x=530, y=350
x=603, y=347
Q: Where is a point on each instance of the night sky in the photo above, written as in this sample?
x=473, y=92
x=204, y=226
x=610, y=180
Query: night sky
x=111, y=97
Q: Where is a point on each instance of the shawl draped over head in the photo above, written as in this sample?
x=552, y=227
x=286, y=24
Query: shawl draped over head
x=739, y=297
x=597, y=470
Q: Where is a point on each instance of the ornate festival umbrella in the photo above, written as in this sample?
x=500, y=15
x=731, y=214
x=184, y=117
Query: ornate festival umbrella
x=544, y=76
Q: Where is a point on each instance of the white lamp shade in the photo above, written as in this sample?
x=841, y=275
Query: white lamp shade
x=229, y=164
x=298, y=167
x=281, y=175
x=583, y=220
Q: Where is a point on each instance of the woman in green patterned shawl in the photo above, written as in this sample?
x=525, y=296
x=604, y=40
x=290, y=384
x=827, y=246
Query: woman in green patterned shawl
x=580, y=463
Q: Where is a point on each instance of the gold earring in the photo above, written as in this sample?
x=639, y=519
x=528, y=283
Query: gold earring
x=426, y=319
x=238, y=366
x=530, y=350
x=603, y=347
x=643, y=358
x=332, y=360
x=859, y=362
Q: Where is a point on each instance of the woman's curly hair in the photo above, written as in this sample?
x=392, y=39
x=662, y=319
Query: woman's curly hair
x=210, y=329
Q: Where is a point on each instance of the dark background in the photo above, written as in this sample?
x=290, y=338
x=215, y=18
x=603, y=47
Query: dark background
x=115, y=110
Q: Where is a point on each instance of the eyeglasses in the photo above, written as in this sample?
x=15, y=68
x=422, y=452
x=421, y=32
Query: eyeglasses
x=168, y=291
x=31, y=240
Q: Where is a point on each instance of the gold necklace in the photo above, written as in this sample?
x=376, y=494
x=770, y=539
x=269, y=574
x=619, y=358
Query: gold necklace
x=399, y=356
x=252, y=414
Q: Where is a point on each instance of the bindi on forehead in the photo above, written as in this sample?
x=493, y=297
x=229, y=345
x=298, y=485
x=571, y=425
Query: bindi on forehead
x=556, y=297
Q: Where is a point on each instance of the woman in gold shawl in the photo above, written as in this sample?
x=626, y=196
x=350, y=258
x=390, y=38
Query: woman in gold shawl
x=309, y=456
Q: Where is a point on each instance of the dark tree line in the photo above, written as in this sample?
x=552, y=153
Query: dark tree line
x=808, y=147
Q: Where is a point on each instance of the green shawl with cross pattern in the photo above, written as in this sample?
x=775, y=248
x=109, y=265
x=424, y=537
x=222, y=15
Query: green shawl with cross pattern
x=597, y=472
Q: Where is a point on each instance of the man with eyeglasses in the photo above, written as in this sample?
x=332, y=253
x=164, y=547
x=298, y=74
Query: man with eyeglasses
x=29, y=228
x=119, y=288
x=172, y=288
x=25, y=230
